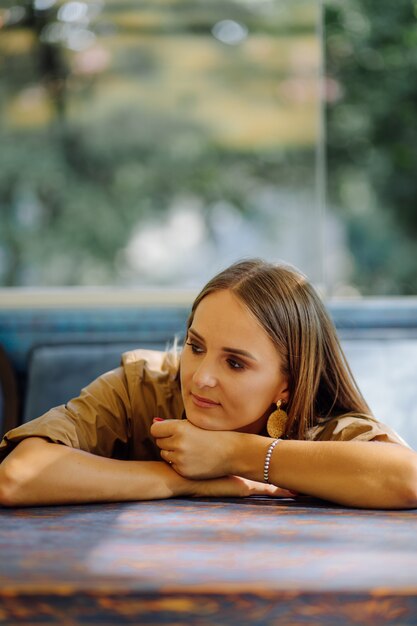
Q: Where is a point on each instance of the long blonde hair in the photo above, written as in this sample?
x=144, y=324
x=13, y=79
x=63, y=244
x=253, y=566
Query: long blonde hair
x=321, y=384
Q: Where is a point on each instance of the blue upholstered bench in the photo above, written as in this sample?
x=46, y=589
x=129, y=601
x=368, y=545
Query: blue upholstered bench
x=48, y=354
x=56, y=352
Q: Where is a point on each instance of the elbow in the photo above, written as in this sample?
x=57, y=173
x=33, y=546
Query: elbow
x=14, y=473
x=7, y=487
x=17, y=472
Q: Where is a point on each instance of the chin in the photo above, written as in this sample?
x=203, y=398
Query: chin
x=203, y=421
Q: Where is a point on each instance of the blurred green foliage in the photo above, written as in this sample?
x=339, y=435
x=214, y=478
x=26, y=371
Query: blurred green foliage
x=95, y=138
x=86, y=154
x=371, y=52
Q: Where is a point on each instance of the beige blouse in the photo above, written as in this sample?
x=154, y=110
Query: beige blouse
x=112, y=416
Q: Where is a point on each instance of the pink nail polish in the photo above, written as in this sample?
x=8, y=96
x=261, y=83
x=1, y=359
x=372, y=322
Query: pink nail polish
x=158, y=419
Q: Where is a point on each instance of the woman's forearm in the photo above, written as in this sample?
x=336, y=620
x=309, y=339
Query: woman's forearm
x=37, y=472
x=351, y=473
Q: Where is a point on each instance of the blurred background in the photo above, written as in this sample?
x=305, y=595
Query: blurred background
x=151, y=143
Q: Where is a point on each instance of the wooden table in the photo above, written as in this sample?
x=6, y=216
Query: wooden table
x=208, y=562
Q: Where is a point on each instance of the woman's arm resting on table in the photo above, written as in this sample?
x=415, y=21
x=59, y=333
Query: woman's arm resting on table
x=368, y=474
x=37, y=472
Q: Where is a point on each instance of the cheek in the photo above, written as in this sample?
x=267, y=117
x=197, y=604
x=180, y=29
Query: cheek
x=184, y=371
x=237, y=394
x=256, y=395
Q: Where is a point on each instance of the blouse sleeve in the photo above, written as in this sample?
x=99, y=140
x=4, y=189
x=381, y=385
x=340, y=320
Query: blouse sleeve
x=97, y=421
x=354, y=427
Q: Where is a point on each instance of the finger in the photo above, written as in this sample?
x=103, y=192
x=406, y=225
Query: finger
x=165, y=443
x=286, y=493
x=164, y=428
x=165, y=455
x=270, y=490
x=279, y=492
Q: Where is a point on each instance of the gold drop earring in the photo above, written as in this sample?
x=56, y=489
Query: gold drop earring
x=277, y=422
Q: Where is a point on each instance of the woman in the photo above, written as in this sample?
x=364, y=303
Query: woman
x=258, y=340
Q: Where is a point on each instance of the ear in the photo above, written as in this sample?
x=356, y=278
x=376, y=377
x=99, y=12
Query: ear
x=283, y=393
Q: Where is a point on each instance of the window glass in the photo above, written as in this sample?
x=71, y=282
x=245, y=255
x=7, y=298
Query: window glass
x=371, y=89
x=154, y=142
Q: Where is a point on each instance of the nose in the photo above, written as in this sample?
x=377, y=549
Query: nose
x=205, y=375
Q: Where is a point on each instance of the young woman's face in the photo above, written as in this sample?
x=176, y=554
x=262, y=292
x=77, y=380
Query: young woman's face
x=230, y=369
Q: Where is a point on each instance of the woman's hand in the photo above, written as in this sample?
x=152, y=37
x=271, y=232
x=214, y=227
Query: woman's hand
x=203, y=456
x=193, y=452
x=234, y=487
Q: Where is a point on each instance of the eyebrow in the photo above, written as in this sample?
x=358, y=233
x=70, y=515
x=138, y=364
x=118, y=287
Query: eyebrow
x=226, y=348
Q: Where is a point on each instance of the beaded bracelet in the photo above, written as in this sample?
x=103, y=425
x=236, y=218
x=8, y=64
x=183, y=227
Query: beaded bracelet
x=268, y=459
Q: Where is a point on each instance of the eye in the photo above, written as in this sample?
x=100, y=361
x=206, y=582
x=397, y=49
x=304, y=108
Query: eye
x=235, y=365
x=195, y=349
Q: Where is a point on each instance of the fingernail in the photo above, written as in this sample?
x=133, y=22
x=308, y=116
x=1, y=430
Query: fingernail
x=158, y=419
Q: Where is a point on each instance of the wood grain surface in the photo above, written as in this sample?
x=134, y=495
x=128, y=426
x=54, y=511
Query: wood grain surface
x=229, y=561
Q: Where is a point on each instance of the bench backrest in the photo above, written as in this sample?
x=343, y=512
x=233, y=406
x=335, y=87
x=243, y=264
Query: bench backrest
x=379, y=339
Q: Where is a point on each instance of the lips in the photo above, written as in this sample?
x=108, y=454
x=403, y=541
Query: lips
x=203, y=402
